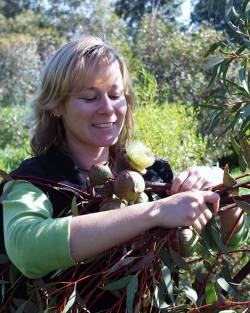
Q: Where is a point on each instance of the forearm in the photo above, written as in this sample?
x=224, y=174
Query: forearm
x=94, y=233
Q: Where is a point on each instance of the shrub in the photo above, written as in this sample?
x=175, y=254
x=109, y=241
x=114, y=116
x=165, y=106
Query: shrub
x=14, y=138
x=19, y=68
x=170, y=131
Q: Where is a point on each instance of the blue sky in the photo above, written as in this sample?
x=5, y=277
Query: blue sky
x=186, y=11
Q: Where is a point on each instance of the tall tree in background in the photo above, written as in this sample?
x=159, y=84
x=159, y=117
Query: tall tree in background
x=133, y=11
x=213, y=12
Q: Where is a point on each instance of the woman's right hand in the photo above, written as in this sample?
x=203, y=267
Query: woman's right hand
x=187, y=209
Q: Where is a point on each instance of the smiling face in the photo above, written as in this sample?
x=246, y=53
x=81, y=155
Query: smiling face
x=94, y=116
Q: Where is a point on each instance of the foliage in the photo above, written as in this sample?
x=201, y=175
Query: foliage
x=175, y=59
x=234, y=107
x=14, y=137
x=170, y=130
x=213, y=13
x=134, y=11
x=19, y=68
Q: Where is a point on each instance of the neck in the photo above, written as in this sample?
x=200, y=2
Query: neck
x=85, y=156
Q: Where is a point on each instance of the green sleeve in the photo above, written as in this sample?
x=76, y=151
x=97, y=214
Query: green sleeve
x=35, y=242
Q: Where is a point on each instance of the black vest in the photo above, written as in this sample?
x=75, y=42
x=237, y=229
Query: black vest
x=57, y=176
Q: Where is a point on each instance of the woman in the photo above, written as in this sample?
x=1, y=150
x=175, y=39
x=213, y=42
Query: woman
x=83, y=115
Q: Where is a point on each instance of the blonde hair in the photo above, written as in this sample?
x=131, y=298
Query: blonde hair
x=71, y=64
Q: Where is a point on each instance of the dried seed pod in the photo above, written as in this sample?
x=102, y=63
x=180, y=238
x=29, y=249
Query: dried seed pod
x=187, y=240
x=128, y=185
x=99, y=173
x=142, y=198
x=111, y=204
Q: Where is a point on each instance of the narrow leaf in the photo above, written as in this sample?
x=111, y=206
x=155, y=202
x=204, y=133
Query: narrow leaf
x=210, y=293
x=213, y=62
x=119, y=284
x=120, y=264
x=131, y=291
x=228, y=180
x=168, y=281
x=228, y=8
x=242, y=77
x=190, y=293
x=159, y=303
x=74, y=208
x=225, y=286
x=166, y=260
x=245, y=146
x=245, y=206
x=71, y=301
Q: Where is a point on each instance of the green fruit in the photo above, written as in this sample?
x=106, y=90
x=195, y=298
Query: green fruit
x=128, y=185
x=142, y=198
x=99, y=174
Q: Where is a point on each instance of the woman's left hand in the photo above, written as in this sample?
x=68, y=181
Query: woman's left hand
x=197, y=178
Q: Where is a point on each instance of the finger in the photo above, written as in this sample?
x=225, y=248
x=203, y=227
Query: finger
x=206, y=212
x=189, y=184
x=213, y=198
x=179, y=179
x=198, y=183
x=197, y=226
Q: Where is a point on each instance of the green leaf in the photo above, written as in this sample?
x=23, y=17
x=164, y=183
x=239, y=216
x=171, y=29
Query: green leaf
x=120, y=264
x=213, y=62
x=214, y=121
x=119, y=284
x=217, y=239
x=168, y=282
x=245, y=148
x=178, y=260
x=242, y=77
x=245, y=206
x=131, y=291
x=190, y=293
x=213, y=47
x=159, y=302
x=210, y=293
x=242, y=161
x=225, y=286
x=245, y=6
x=228, y=8
x=71, y=301
x=228, y=180
x=166, y=259
x=74, y=208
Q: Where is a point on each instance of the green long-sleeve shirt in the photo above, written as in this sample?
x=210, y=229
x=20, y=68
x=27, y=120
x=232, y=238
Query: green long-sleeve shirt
x=37, y=243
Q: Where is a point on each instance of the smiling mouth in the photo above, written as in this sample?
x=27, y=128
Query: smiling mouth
x=104, y=125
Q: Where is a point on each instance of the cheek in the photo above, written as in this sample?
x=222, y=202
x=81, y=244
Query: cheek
x=122, y=108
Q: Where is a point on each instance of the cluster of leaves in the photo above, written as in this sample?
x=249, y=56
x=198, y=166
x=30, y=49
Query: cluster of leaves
x=143, y=272
x=233, y=54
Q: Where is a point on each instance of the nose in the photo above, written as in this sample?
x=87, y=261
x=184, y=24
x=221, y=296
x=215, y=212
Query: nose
x=106, y=105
